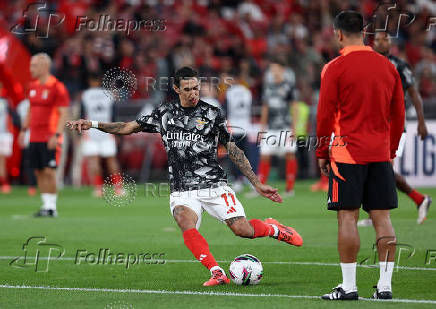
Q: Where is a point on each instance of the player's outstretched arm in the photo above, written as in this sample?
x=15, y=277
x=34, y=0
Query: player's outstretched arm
x=121, y=128
x=417, y=103
x=238, y=157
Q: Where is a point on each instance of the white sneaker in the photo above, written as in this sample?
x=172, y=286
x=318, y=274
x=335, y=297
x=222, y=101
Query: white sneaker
x=423, y=209
x=364, y=222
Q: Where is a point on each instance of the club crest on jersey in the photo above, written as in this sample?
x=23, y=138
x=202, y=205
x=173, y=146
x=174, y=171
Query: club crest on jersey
x=32, y=93
x=200, y=123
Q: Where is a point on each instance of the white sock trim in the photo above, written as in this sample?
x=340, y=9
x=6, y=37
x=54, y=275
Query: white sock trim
x=215, y=268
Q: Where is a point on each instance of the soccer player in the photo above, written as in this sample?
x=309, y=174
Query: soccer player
x=238, y=109
x=362, y=102
x=277, y=126
x=382, y=45
x=99, y=106
x=49, y=101
x=190, y=129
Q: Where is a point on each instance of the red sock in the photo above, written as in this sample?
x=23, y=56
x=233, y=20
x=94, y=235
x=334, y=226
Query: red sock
x=116, y=179
x=324, y=179
x=416, y=197
x=261, y=229
x=98, y=180
x=199, y=248
x=264, y=170
x=291, y=173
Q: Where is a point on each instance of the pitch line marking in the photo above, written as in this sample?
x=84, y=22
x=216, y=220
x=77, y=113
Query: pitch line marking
x=272, y=262
x=6, y=286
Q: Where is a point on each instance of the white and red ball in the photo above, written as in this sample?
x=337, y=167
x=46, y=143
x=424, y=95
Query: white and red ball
x=246, y=269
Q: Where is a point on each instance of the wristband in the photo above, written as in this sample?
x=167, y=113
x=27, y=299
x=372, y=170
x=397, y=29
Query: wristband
x=58, y=134
x=94, y=124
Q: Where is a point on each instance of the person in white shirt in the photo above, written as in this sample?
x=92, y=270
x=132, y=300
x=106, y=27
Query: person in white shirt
x=98, y=105
x=237, y=105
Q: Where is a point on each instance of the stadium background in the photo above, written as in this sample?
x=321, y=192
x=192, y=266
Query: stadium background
x=215, y=37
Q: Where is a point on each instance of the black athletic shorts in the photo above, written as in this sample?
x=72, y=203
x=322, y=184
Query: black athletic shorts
x=41, y=156
x=371, y=185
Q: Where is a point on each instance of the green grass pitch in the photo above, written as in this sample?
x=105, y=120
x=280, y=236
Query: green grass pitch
x=293, y=277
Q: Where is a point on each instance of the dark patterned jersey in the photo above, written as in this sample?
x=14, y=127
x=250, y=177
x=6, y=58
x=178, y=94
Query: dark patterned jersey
x=277, y=97
x=407, y=79
x=190, y=136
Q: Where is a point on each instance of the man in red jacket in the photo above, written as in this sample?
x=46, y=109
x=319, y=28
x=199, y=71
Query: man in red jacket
x=361, y=106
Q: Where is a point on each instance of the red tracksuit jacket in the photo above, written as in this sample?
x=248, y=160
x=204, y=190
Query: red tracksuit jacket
x=361, y=101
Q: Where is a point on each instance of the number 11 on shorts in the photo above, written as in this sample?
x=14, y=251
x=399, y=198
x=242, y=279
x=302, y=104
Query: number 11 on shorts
x=231, y=208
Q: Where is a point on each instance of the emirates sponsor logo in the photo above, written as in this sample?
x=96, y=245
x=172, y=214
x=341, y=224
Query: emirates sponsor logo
x=185, y=136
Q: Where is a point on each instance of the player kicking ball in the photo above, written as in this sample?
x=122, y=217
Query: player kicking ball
x=190, y=129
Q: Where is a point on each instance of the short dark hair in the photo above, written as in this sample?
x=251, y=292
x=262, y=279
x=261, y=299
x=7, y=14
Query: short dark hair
x=184, y=73
x=351, y=22
x=94, y=76
x=277, y=60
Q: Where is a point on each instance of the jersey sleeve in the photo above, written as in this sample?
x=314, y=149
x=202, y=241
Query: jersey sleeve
x=150, y=123
x=62, y=96
x=406, y=75
x=327, y=107
x=290, y=96
x=397, y=115
x=221, y=123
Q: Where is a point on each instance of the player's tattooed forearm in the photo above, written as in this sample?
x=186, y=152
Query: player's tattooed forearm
x=233, y=220
x=238, y=157
x=111, y=127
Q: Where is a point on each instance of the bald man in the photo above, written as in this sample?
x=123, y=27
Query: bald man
x=49, y=101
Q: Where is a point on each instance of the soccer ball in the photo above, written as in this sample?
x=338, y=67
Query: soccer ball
x=246, y=269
